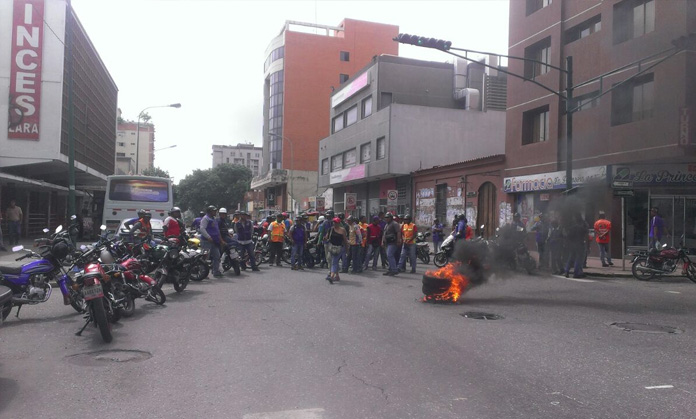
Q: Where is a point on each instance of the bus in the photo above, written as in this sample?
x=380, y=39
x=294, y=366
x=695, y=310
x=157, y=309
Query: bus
x=126, y=194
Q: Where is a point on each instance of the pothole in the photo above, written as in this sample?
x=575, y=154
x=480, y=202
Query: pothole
x=478, y=315
x=645, y=328
x=103, y=357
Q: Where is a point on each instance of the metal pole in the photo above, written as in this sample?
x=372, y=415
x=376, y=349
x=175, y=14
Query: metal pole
x=569, y=123
x=71, y=131
x=623, y=234
x=137, y=144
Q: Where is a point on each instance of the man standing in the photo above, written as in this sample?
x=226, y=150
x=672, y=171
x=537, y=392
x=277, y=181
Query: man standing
x=374, y=243
x=212, y=241
x=542, y=233
x=382, y=249
x=657, y=228
x=14, y=220
x=196, y=224
x=277, y=231
x=437, y=235
x=602, y=228
x=460, y=230
x=224, y=225
x=245, y=229
x=391, y=239
x=354, y=243
x=408, y=234
x=298, y=237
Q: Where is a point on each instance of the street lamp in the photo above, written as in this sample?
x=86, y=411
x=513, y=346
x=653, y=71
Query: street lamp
x=137, y=131
x=292, y=160
x=164, y=148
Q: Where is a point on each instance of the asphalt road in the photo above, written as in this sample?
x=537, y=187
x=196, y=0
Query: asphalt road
x=287, y=344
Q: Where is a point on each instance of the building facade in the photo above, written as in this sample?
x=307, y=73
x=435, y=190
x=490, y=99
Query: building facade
x=634, y=95
x=246, y=155
x=400, y=115
x=301, y=71
x=60, y=94
x=129, y=153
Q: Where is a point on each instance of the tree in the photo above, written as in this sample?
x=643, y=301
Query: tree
x=145, y=117
x=223, y=186
x=155, y=171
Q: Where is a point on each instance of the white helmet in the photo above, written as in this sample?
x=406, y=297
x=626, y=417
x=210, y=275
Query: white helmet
x=222, y=211
x=321, y=218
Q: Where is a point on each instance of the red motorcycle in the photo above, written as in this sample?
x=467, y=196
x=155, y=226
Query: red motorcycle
x=648, y=264
x=129, y=279
x=89, y=283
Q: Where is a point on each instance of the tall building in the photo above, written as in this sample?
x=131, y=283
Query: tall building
x=399, y=115
x=301, y=70
x=242, y=154
x=632, y=113
x=129, y=153
x=60, y=93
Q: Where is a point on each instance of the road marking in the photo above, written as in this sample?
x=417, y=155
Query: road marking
x=317, y=413
x=673, y=292
x=581, y=280
x=658, y=387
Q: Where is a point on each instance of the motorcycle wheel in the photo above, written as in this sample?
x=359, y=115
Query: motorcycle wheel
x=226, y=263
x=156, y=295
x=285, y=256
x=236, y=267
x=128, y=306
x=181, y=282
x=641, y=275
x=78, y=303
x=309, y=261
x=529, y=265
x=424, y=257
x=259, y=258
x=440, y=259
x=691, y=272
x=101, y=321
x=6, y=311
x=200, y=271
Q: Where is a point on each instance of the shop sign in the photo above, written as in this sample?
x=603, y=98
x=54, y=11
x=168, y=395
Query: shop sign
x=351, y=200
x=354, y=87
x=320, y=203
x=553, y=180
x=544, y=197
x=345, y=175
x=25, y=69
x=684, y=128
x=656, y=174
x=623, y=192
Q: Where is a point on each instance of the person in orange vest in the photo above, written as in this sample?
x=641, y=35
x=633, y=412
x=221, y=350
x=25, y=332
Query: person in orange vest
x=408, y=249
x=602, y=228
x=277, y=232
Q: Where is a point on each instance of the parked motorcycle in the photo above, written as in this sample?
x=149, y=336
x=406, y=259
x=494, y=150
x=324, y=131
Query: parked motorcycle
x=230, y=260
x=175, y=266
x=645, y=265
x=90, y=284
x=127, y=279
x=422, y=247
x=443, y=256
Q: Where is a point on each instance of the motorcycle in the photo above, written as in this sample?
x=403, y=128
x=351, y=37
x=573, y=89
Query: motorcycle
x=311, y=256
x=127, y=279
x=200, y=265
x=175, y=266
x=230, y=260
x=90, y=284
x=443, y=256
x=422, y=247
x=29, y=283
x=645, y=265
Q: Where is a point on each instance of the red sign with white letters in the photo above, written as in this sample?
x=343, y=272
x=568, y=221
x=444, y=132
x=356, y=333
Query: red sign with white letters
x=25, y=72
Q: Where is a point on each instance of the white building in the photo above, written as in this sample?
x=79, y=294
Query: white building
x=242, y=154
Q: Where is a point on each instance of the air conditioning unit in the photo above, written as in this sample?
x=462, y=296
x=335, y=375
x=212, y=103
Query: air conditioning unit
x=471, y=97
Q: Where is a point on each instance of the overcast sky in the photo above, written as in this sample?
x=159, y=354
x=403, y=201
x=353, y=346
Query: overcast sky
x=208, y=55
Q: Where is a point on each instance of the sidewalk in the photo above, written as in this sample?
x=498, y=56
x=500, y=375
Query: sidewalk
x=595, y=270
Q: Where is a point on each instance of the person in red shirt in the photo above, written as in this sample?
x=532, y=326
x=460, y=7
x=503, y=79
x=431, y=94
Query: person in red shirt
x=172, y=225
x=602, y=228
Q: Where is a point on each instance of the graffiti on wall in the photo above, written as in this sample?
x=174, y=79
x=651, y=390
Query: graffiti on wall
x=425, y=206
x=504, y=213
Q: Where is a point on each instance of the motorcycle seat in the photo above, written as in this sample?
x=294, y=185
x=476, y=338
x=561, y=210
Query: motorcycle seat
x=11, y=270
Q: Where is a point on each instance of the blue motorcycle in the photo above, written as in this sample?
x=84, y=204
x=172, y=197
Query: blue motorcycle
x=29, y=283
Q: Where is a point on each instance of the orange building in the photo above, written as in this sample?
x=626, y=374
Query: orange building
x=305, y=63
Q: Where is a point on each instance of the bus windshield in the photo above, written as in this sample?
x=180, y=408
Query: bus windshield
x=141, y=190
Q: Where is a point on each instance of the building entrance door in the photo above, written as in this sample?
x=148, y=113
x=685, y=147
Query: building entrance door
x=679, y=215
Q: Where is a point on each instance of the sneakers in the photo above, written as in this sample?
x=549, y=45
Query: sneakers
x=217, y=275
x=610, y=264
x=388, y=273
x=294, y=268
x=255, y=269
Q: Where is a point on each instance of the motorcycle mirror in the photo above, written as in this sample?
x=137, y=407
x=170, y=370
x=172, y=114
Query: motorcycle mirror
x=18, y=248
x=73, y=217
x=519, y=228
x=482, y=226
x=45, y=230
x=102, y=228
x=83, y=247
x=59, y=229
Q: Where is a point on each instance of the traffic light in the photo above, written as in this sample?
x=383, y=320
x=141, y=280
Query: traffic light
x=422, y=41
x=686, y=42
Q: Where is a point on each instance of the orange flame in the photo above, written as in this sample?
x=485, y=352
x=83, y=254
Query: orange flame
x=458, y=283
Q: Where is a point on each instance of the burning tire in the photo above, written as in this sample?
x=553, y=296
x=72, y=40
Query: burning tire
x=432, y=285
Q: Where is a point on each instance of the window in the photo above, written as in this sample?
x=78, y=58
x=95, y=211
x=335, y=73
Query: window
x=352, y=115
x=338, y=123
x=132, y=143
x=633, y=18
x=365, y=152
x=345, y=56
x=587, y=101
x=337, y=162
x=325, y=167
x=534, y=5
x=385, y=99
x=228, y=160
x=349, y=158
x=535, y=125
x=541, y=51
x=121, y=144
x=381, y=148
x=343, y=78
x=120, y=154
x=584, y=29
x=367, y=107
x=633, y=100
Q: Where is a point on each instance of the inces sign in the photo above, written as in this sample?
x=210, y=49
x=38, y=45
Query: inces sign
x=25, y=74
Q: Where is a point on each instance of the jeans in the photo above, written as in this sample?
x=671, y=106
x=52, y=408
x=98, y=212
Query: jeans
x=296, y=254
x=344, y=260
x=373, y=252
x=214, y=254
x=604, y=253
x=248, y=248
x=436, y=246
x=335, y=259
x=391, y=257
x=15, y=231
x=355, y=258
x=383, y=256
x=408, y=251
x=576, y=256
x=541, y=248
